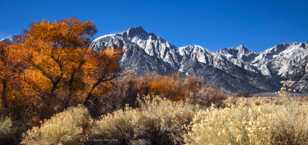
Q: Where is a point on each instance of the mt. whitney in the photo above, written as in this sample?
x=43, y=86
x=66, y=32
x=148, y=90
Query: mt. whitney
x=231, y=69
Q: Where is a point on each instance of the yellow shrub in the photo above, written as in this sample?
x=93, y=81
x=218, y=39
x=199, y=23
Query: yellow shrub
x=265, y=124
x=63, y=128
x=157, y=121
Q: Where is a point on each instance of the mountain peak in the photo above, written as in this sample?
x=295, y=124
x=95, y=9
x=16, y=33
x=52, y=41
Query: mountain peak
x=282, y=47
x=137, y=29
x=300, y=44
x=238, y=50
x=194, y=46
x=7, y=38
x=138, y=32
x=242, y=48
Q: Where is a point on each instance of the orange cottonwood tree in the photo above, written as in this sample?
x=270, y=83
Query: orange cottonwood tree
x=57, y=67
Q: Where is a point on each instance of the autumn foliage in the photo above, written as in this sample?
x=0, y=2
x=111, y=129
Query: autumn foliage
x=50, y=68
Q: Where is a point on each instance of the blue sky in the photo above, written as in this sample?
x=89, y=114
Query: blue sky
x=258, y=24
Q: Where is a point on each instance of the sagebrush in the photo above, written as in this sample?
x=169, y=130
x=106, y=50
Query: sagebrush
x=158, y=121
x=253, y=124
x=66, y=128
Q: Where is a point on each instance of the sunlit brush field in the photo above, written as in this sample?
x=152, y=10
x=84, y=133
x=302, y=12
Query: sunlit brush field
x=137, y=72
x=279, y=120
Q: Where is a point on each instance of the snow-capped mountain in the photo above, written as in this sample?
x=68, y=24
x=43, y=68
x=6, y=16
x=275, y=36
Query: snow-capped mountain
x=240, y=53
x=239, y=56
x=288, y=62
x=232, y=69
x=7, y=38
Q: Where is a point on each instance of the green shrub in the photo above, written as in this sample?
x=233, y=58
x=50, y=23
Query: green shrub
x=67, y=128
x=158, y=121
x=265, y=124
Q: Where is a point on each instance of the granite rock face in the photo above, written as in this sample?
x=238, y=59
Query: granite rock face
x=231, y=69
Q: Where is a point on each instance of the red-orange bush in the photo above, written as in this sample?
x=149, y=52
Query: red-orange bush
x=176, y=87
x=127, y=88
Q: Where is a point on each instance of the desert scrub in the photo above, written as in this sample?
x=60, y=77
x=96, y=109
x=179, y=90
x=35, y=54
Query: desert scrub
x=280, y=99
x=234, y=126
x=265, y=124
x=65, y=128
x=157, y=121
x=290, y=126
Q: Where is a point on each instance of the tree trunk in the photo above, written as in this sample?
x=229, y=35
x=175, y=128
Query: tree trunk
x=4, y=95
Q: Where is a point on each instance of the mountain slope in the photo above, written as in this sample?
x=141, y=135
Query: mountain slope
x=232, y=69
x=288, y=63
